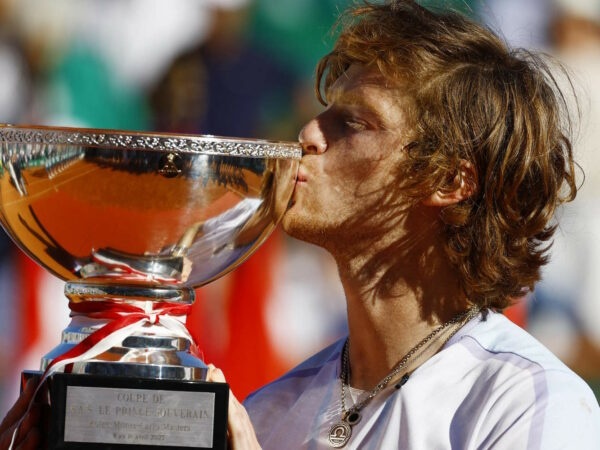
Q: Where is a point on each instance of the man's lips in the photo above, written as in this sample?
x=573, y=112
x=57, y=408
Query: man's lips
x=300, y=178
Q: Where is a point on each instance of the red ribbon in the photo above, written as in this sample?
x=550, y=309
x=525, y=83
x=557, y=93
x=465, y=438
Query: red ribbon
x=119, y=315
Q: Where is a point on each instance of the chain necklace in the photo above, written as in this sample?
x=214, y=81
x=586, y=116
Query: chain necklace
x=340, y=433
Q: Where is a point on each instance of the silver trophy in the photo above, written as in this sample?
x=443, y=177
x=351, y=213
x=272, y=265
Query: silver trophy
x=133, y=222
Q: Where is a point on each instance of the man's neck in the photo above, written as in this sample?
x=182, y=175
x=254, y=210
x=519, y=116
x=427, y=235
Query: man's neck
x=392, y=306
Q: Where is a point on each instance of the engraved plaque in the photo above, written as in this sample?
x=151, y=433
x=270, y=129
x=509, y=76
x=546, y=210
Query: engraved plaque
x=139, y=416
x=91, y=412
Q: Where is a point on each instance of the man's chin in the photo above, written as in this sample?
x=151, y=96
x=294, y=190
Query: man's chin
x=300, y=228
x=288, y=221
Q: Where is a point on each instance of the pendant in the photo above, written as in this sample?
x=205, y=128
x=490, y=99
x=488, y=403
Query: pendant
x=339, y=434
x=352, y=418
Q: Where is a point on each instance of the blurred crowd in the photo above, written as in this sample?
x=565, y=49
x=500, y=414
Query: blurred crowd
x=245, y=68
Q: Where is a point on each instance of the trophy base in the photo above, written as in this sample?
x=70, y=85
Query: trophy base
x=98, y=412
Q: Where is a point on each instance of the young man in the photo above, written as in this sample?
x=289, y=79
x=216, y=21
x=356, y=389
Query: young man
x=431, y=177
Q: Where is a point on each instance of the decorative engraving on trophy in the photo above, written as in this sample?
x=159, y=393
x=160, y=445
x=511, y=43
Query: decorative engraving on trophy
x=180, y=144
x=170, y=165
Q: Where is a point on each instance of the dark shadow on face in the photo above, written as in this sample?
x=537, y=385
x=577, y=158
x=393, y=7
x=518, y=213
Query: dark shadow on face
x=415, y=261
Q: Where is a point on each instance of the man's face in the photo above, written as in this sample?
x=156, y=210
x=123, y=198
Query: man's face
x=351, y=151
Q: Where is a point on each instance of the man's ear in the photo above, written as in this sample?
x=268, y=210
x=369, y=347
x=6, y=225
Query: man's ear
x=463, y=186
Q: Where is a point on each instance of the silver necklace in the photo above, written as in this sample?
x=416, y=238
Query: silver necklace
x=339, y=433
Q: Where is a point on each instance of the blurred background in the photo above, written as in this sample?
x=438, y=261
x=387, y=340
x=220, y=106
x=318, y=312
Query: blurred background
x=245, y=68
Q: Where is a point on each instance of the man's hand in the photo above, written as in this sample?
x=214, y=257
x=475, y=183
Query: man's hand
x=28, y=436
x=239, y=428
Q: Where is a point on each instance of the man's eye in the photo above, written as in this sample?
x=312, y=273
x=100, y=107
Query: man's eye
x=356, y=125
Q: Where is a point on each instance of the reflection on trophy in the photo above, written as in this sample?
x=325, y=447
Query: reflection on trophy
x=133, y=222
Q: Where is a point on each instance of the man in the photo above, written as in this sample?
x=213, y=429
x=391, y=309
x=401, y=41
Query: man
x=431, y=178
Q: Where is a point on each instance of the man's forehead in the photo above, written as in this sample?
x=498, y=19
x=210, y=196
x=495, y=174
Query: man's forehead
x=358, y=78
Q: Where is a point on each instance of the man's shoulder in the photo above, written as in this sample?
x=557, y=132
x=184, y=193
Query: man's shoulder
x=510, y=358
x=525, y=383
x=493, y=337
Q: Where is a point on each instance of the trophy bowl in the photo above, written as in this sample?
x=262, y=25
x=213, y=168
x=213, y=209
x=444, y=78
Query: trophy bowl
x=133, y=222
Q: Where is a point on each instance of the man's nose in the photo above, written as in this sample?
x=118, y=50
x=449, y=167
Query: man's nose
x=312, y=139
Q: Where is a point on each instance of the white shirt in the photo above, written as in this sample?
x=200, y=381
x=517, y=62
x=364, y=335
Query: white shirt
x=491, y=386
